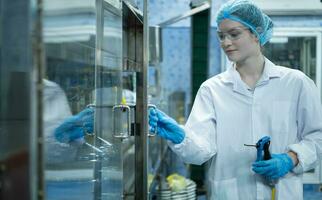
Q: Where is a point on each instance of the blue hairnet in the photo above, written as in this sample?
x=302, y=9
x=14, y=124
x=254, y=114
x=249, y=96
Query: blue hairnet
x=248, y=14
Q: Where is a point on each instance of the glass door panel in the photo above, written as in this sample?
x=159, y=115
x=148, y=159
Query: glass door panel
x=170, y=90
x=111, y=119
x=84, y=57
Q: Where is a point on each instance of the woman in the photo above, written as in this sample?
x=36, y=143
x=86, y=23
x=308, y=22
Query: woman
x=252, y=99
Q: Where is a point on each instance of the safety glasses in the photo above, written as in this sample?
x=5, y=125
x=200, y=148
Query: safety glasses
x=232, y=35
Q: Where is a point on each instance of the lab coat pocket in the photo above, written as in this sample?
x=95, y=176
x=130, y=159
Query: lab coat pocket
x=225, y=190
x=281, y=116
x=290, y=187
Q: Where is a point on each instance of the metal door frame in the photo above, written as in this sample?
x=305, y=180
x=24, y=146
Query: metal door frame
x=141, y=139
x=98, y=62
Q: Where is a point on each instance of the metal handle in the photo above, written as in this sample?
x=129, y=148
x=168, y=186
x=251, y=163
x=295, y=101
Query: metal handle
x=91, y=105
x=123, y=108
x=152, y=134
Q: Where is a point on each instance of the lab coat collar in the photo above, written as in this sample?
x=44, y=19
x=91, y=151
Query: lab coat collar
x=232, y=76
x=270, y=71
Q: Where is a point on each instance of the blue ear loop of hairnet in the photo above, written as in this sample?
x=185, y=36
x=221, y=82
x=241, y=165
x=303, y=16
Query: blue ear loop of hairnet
x=268, y=34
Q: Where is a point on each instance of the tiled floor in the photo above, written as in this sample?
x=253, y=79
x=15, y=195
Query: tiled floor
x=311, y=192
x=83, y=191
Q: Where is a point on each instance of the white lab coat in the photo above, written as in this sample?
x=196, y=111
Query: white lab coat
x=56, y=110
x=227, y=114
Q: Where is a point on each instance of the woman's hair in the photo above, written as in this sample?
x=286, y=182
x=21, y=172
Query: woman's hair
x=248, y=14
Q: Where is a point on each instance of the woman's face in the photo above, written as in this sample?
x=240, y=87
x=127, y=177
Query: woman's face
x=237, y=41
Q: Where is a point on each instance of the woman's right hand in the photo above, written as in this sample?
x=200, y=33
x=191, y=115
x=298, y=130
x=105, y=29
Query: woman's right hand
x=166, y=127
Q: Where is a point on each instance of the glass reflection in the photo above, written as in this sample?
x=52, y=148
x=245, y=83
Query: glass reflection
x=69, y=36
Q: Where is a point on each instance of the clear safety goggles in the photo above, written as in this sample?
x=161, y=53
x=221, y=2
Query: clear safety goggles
x=232, y=35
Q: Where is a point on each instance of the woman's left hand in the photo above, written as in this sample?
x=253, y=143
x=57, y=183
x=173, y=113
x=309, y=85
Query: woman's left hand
x=276, y=167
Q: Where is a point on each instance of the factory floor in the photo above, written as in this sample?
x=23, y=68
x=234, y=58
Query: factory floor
x=82, y=191
x=311, y=192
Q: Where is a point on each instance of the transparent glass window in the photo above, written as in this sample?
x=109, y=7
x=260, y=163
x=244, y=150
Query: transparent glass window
x=293, y=52
x=112, y=42
x=170, y=90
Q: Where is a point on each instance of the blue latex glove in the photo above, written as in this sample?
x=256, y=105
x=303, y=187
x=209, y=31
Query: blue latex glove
x=166, y=127
x=76, y=126
x=278, y=166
